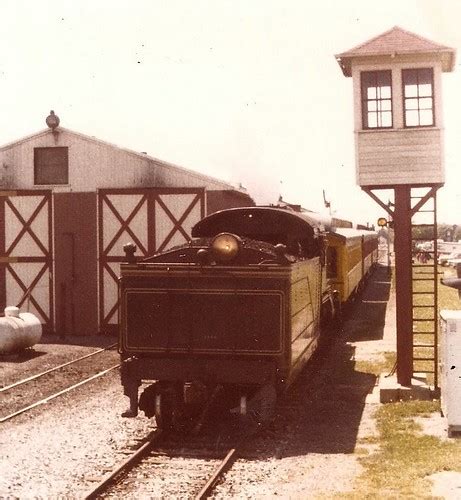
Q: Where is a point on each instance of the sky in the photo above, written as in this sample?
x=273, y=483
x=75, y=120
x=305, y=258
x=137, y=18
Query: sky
x=247, y=91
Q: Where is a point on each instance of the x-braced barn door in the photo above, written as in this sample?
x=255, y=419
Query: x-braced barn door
x=26, y=256
x=153, y=219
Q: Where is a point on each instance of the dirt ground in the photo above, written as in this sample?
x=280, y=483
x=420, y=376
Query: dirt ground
x=51, y=351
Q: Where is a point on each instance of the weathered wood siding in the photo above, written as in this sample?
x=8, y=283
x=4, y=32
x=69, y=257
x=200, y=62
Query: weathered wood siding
x=409, y=156
x=94, y=164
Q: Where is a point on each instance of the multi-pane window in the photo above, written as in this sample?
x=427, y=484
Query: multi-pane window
x=418, y=97
x=376, y=99
x=51, y=165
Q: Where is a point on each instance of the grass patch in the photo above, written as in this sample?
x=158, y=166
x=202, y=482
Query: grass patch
x=378, y=366
x=406, y=456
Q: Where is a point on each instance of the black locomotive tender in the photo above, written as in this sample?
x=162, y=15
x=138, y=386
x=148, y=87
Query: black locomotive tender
x=237, y=310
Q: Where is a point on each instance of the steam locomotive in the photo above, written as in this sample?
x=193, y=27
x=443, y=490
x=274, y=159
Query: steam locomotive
x=239, y=309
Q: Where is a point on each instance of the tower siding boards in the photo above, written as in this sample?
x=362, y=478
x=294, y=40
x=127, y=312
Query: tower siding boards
x=80, y=276
x=390, y=157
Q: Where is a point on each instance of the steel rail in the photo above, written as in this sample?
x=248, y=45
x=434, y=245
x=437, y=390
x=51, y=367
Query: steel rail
x=60, y=393
x=126, y=464
x=33, y=377
x=224, y=466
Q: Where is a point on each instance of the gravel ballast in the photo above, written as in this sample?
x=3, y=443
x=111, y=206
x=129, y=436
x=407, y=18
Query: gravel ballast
x=58, y=450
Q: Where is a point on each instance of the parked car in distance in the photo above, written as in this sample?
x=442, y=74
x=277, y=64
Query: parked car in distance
x=444, y=260
x=454, y=262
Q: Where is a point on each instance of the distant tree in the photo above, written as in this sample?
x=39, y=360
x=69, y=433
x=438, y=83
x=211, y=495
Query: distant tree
x=423, y=233
x=448, y=232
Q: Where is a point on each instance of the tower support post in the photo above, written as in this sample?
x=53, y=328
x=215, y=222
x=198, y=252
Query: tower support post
x=403, y=278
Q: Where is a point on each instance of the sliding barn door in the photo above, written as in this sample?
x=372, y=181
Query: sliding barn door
x=153, y=219
x=26, y=253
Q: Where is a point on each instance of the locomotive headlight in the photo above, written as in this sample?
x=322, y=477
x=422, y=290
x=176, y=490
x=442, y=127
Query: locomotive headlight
x=225, y=246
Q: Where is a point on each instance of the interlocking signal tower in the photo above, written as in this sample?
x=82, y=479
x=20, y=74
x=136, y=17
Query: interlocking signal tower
x=398, y=127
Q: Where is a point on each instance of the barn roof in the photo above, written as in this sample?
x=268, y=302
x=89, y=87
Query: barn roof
x=397, y=41
x=155, y=161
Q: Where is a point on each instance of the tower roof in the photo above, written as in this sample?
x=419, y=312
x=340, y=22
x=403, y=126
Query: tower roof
x=394, y=42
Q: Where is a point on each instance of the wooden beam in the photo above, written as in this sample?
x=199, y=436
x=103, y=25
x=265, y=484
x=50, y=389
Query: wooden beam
x=430, y=194
x=378, y=201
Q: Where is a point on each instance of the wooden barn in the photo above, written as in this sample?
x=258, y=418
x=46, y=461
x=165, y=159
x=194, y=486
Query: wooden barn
x=68, y=204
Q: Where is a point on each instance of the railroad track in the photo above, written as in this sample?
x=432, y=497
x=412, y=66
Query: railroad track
x=174, y=466
x=158, y=469
x=22, y=386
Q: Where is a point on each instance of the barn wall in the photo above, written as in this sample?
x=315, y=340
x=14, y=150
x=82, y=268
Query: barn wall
x=75, y=256
x=3, y=261
x=82, y=284
x=94, y=164
x=220, y=200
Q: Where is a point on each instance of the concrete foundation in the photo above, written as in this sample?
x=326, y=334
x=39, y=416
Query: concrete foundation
x=391, y=391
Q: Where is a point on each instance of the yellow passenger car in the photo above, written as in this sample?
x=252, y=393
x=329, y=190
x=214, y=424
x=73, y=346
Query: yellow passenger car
x=351, y=253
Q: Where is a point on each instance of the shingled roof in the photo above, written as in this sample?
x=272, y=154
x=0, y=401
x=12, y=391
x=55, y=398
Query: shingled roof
x=397, y=41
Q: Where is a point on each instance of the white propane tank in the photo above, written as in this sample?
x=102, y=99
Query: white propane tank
x=18, y=330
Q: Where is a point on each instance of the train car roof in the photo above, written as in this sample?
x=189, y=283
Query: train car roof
x=252, y=221
x=347, y=234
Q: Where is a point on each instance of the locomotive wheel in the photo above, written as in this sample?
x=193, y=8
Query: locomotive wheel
x=164, y=412
x=337, y=312
x=169, y=409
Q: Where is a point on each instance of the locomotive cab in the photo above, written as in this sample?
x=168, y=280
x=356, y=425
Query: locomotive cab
x=234, y=311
